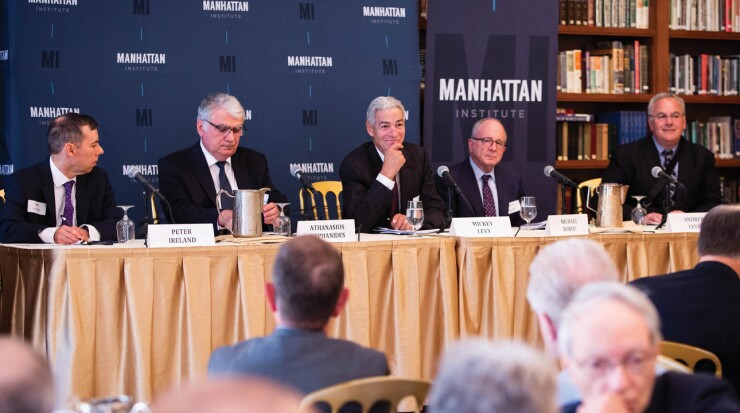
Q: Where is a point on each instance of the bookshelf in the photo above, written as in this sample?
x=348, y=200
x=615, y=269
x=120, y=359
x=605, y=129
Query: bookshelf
x=663, y=42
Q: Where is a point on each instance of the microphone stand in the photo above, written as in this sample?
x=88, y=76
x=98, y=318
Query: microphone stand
x=307, y=203
x=666, y=205
x=450, y=211
x=143, y=229
x=563, y=207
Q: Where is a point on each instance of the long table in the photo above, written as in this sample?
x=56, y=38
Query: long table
x=127, y=319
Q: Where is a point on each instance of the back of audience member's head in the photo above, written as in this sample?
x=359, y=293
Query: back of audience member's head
x=717, y=236
x=308, y=276
x=480, y=376
x=230, y=395
x=561, y=268
x=26, y=385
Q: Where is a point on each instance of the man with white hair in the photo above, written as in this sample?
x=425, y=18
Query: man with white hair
x=609, y=341
x=26, y=385
x=555, y=274
x=479, y=376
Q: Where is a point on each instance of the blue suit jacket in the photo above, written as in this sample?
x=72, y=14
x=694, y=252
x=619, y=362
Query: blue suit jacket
x=508, y=188
x=94, y=198
x=306, y=360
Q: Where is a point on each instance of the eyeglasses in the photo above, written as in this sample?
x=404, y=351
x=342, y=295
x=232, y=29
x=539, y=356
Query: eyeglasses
x=488, y=142
x=634, y=363
x=661, y=117
x=237, y=130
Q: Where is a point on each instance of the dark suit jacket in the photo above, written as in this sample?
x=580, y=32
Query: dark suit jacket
x=185, y=180
x=687, y=393
x=369, y=202
x=508, y=188
x=306, y=360
x=94, y=198
x=632, y=163
x=701, y=307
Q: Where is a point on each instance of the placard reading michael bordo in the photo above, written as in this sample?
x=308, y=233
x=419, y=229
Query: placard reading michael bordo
x=574, y=224
x=333, y=230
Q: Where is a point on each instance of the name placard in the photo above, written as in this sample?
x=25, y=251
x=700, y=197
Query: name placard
x=332, y=230
x=574, y=224
x=685, y=222
x=481, y=227
x=180, y=235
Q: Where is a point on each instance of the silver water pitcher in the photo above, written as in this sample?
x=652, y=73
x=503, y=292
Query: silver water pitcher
x=609, y=209
x=246, y=219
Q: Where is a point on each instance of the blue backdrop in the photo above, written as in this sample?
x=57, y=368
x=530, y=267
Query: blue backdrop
x=304, y=71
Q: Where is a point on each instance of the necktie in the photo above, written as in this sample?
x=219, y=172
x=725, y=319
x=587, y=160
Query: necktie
x=488, y=205
x=667, y=156
x=69, y=209
x=394, y=200
x=223, y=182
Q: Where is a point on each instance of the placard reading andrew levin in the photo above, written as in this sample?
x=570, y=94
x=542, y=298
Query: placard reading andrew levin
x=493, y=60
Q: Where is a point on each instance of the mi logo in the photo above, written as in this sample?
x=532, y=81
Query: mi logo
x=227, y=63
x=50, y=59
x=144, y=117
x=141, y=7
x=305, y=11
x=310, y=117
x=390, y=67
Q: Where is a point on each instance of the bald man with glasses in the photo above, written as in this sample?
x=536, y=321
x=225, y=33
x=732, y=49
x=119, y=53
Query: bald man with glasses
x=191, y=178
x=490, y=189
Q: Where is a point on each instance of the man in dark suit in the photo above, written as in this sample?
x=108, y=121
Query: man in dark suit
x=609, y=342
x=191, y=178
x=380, y=177
x=67, y=198
x=691, y=164
x=491, y=190
x=700, y=306
x=307, y=290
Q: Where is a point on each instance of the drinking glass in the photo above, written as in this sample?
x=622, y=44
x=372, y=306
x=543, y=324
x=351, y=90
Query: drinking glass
x=125, y=227
x=281, y=226
x=639, y=212
x=415, y=215
x=528, y=210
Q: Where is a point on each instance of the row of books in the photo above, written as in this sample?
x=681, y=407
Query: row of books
x=608, y=67
x=584, y=136
x=705, y=15
x=730, y=190
x=719, y=134
x=605, y=13
x=705, y=75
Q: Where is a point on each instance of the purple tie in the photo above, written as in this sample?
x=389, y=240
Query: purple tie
x=488, y=205
x=69, y=209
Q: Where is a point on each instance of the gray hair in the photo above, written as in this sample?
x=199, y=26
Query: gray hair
x=26, y=384
x=592, y=295
x=477, y=125
x=383, y=103
x=665, y=95
x=716, y=236
x=479, y=376
x=223, y=101
x=561, y=268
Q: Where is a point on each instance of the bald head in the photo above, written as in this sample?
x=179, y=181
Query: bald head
x=25, y=380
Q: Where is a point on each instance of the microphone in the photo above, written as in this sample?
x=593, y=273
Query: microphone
x=444, y=172
x=552, y=173
x=135, y=173
x=297, y=172
x=657, y=172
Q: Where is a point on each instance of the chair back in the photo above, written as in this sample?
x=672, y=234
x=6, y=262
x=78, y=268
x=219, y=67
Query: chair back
x=690, y=356
x=370, y=390
x=323, y=188
x=583, y=186
x=670, y=364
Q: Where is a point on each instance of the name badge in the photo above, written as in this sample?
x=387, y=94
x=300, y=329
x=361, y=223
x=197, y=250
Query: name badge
x=180, y=235
x=514, y=207
x=481, y=227
x=575, y=224
x=332, y=230
x=36, y=207
x=685, y=222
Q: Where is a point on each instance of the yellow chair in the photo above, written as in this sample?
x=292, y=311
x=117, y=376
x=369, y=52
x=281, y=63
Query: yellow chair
x=368, y=391
x=670, y=364
x=580, y=207
x=324, y=188
x=690, y=355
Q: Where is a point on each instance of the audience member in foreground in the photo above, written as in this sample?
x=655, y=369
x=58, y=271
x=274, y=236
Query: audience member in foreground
x=609, y=342
x=479, y=376
x=26, y=385
x=66, y=198
x=555, y=274
x=307, y=290
x=230, y=395
x=701, y=306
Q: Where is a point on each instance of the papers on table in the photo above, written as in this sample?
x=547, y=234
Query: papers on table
x=404, y=232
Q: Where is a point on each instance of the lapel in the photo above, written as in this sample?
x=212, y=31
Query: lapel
x=502, y=191
x=649, y=155
x=241, y=173
x=374, y=159
x=82, y=196
x=203, y=173
x=683, y=157
x=469, y=185
x=47, y=192
x=407, y=181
